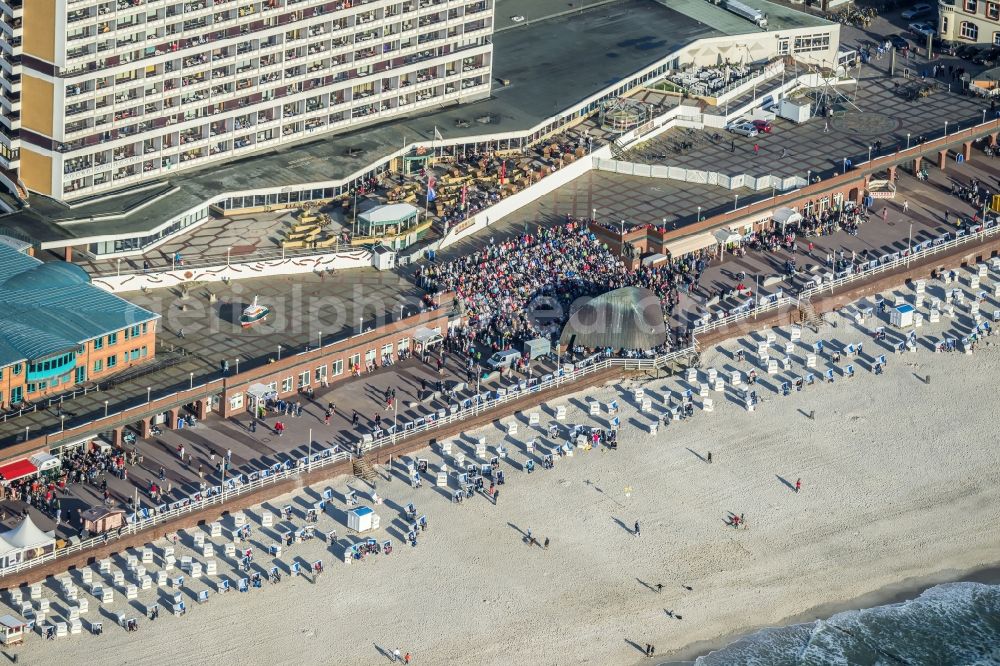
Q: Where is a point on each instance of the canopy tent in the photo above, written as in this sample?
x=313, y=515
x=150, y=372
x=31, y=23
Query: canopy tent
x=100, y=519
x=726, y=236
x=684, y=246
x=785, y=216
x=45, y=461
x=17, y=470
x=29, y=540
x=627, y=318
x=426, y=337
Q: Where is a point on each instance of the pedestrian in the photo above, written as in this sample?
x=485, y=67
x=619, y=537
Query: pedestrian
x=253, y=425
x=406, y=658
x=355, y=417
x=906, y=205
x=546, y=546
x=649, y=650
x=397, y=655
x=636, y=528
x=885, y=213
x=659, y=587
x=496, y=497
x=326, y=418
x=756, y=149
x=709, y=458
x=732, y=145
x=784, y=151
x=798, y=485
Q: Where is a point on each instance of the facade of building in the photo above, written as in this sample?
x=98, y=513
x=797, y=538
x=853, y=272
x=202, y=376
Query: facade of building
x=58, y=331
x=99, y=95
x=969, y=21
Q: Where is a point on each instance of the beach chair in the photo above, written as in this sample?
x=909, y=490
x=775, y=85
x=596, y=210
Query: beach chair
x=202, y=596
x=243, y=585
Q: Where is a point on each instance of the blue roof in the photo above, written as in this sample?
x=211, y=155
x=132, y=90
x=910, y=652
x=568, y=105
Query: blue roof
x=51, y=308
x=905, y=307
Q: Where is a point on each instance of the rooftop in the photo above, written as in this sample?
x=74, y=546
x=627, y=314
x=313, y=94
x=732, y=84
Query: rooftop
x=550, y=63
x=52, y=307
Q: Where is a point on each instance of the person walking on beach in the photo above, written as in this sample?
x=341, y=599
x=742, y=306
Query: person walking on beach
x=635, y=530
x=798, y=485
x=397, y=655
x=709, y=458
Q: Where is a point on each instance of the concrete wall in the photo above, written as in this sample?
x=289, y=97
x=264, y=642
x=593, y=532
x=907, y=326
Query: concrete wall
x=236, y=271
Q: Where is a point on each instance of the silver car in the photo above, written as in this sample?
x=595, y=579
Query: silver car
x=743, y=129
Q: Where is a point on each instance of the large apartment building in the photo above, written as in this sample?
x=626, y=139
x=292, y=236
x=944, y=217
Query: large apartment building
x=969, y=21
x=100, y=95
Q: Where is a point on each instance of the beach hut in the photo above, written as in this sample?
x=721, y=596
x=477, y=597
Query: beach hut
x=362, y=519
x=101, y=519
x=901, y=316
x=11, y=630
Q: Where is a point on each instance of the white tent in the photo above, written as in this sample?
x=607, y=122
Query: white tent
x=29, y=540
x=45, y=461
x=785, y=216
x=426, y=337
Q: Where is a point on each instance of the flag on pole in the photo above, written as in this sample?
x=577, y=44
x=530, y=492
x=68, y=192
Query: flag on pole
x=437, y=134
x=465, y=193
x=503, y=171
x=431, y=182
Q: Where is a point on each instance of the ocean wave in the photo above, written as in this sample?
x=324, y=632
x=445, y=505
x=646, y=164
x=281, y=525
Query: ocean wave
x=950, y=624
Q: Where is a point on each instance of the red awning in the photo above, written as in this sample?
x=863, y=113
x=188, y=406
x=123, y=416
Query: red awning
x=17, y=470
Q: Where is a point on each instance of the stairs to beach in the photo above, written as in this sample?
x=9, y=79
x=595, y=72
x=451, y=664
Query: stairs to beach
x=809, y=317
x=364, y=470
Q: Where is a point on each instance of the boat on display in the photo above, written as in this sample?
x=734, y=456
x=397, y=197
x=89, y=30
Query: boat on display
x=254, y=314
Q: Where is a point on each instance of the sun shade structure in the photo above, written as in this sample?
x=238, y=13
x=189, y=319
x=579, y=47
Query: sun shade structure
x=627, y=318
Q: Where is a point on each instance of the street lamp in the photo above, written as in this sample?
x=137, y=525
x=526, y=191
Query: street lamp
x=736, y=201
x=228, y=252
x=946, y=128
x=593, y=214
x=909, y=245
x=62, y=422
x=623, y=227
x=149, y=393
x=907, y=140
x=869, y=152
x=809, y=174
x=106, y=408
x=401, y=306
x=845, y=165
x=319, y=339
x=237, y=365
x=699, y=214
x=984, y=116
x=119, y=262
x=279, y=352
x=191, y=380
x=361, y=325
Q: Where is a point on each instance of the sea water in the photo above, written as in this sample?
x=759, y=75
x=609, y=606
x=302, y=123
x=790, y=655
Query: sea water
x=950, y=624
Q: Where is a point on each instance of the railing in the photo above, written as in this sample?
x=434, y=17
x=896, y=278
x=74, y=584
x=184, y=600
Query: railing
x=242, y=483
x=488, y=400
x=770, y=304
x=216, y=495
x=890, y=262
x=904, y=258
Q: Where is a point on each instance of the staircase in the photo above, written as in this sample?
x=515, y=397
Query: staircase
x=364, y=470
x=808, y=315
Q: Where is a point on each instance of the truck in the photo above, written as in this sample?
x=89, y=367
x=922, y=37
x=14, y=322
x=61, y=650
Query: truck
x=747, y=12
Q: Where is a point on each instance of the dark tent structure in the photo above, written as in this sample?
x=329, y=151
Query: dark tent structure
x=626, y=318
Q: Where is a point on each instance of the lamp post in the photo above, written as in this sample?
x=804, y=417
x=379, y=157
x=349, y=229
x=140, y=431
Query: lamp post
x=736, y=201
x=907, y=140
x=946, y=128
x=191, y=380
x=229, y=251
x=699, y=214
x=279, y=352
x=149, y=394
x=909, y=245
x=984, y=116
x=593, y=214
x=622, y=227
x=309, y=455
x=809, y=174
x=845, y=165
x=319, y=339
x=401, y=306
x=237, y=365
x=118, y=261
x=361, y=325
x=106, y=408
x=62, y=422
x=869, y=152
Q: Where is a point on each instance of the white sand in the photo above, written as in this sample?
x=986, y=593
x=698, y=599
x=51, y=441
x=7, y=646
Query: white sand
x=900, y=480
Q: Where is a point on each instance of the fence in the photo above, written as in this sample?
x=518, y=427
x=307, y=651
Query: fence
x=106, y=269
x=237, y=486
x=891, y=262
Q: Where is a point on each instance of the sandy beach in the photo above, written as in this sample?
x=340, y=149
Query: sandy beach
x=899, y=483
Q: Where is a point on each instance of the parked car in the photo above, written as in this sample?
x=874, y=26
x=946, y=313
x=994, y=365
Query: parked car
x=967, y=51
x=516, y=18
x=922, y=29
x=916, y=11
x=502, y=360
x=743, y=129
x=762, y=126
x=987, y=57
x=898, y=42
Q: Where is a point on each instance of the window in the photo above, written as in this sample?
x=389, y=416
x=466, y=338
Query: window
x=99, y=343
x=98, y=366
x=42, y=386
x=16, y=395
x=145, y=351
x=992, y=10
x=969, y=30
x=145, y=327
x=338, y=368
x=81, y=375
x=996, y=39
x=112, y=338
x=30, y=388
x=286, y=385
x=354, y=361
x=135, y=331
x=304, y=379
x=403, y=346
x=112, y=361
x=807, y=43
x=16, y=369
x=783, y=46
x=134, y=354
x=944, y=24
x=971, y=6
x=236, y=401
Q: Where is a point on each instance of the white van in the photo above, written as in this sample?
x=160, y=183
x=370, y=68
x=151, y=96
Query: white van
x=502, y=359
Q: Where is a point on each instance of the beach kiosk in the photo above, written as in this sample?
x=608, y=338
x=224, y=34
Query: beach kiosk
x=901, y=316
x=396, y=225
x=11, y=630
x=362, y=519
x=101, y=519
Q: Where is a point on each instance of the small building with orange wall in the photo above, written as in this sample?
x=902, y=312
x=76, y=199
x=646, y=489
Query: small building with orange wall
x=58, y=331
